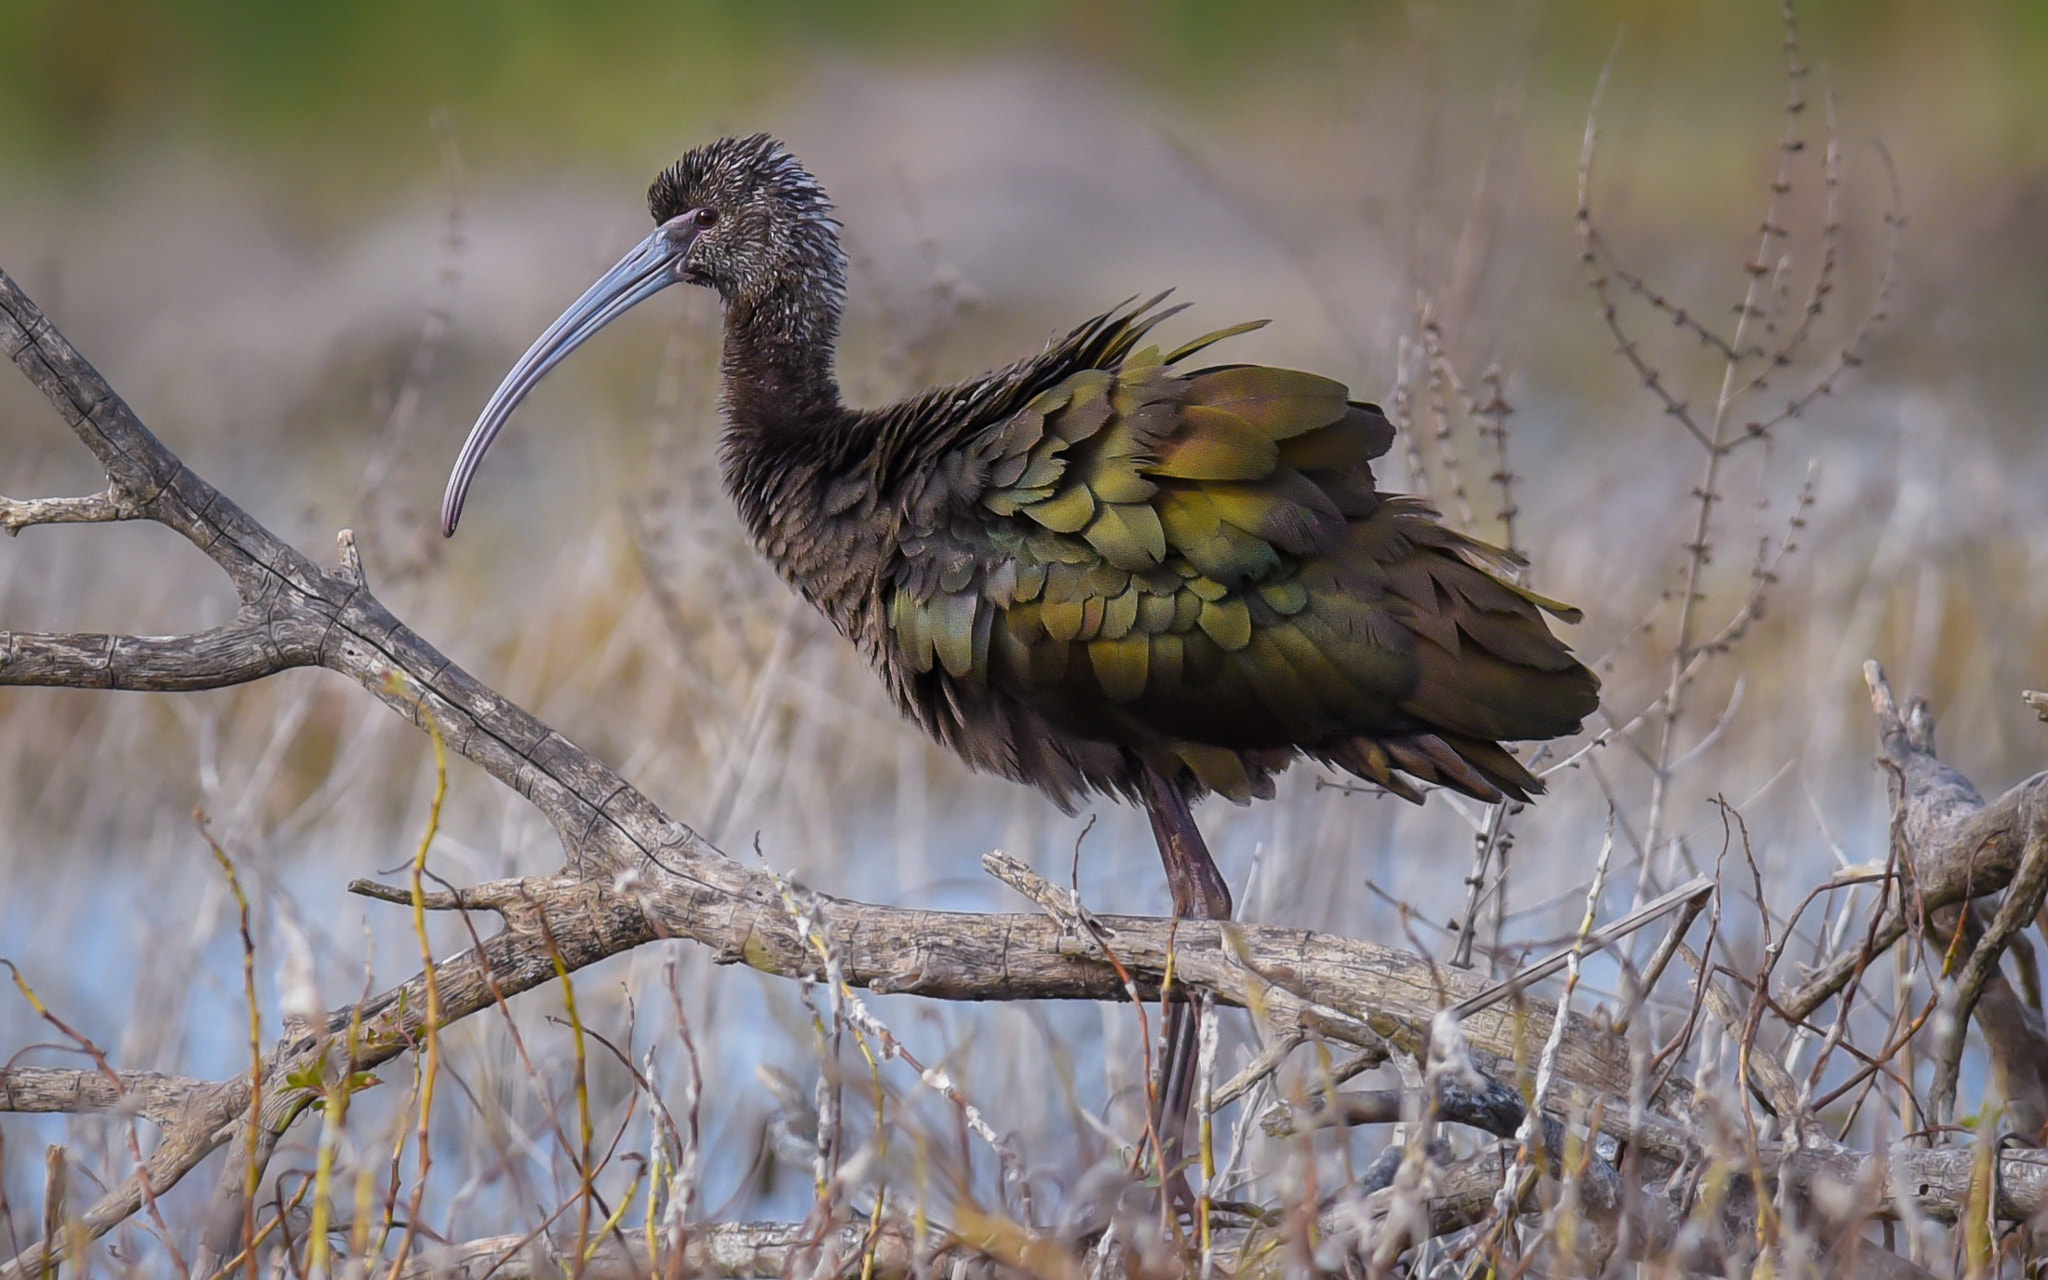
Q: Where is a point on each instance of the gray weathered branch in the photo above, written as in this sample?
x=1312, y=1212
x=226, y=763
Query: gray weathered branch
x=1952, y=847
x=166, y=664
x=1952, y=844
x=1340, y=988
x=108, y=505
x=158, y=1098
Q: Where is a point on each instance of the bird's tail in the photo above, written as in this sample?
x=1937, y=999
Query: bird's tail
x=1471, y=766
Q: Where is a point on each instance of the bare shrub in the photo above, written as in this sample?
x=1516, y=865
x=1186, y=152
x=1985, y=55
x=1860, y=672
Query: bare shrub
x=1690, y=1078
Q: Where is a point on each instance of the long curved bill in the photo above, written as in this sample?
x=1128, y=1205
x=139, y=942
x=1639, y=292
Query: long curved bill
x=646, y=271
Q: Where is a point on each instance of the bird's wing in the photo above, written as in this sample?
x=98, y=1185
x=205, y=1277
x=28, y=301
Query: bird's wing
x=1196, y=566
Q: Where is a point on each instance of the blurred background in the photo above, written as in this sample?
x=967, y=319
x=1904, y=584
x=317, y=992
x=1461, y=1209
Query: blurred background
x=304, y=242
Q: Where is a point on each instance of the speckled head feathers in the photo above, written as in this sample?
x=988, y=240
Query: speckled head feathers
x=734, y=171
x=774, y=232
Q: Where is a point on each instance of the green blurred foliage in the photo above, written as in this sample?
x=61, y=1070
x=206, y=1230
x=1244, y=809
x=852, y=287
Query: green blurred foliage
x=334, y=89
x=77, y=76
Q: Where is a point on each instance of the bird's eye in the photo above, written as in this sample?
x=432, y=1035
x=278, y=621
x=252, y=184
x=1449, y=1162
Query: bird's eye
x=704, y=217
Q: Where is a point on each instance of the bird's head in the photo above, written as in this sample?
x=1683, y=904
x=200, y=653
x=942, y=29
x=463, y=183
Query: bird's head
x=761, y=223
x=739, y=215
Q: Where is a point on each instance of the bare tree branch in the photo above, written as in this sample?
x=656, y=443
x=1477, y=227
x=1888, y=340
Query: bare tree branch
x=110, y=504
x=158, y=1098
x=733, y=1249
x=1955, y=846
x=165, y=664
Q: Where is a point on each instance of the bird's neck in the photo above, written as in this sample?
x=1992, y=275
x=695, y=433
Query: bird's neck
x=778, y=362
x=787, y=438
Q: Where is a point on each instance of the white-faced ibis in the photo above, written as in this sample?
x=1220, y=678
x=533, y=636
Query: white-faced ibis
x=1097, y=569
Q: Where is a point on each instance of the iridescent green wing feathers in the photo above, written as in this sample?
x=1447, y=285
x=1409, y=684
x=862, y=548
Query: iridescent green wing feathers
x=1196, y=566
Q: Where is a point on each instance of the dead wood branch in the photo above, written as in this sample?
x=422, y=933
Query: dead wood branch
x=735, y=1249
x=158, y=1098
x=1951, y=847
x=1661, y=1218
x=1337, y=987
x=1956, y=845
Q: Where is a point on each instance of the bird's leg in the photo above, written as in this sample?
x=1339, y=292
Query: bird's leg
x=1199, y=893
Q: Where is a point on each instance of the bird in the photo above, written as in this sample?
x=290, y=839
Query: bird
x=1104, y=569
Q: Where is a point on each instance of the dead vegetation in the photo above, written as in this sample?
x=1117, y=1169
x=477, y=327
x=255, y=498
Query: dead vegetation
x=1709, y=1073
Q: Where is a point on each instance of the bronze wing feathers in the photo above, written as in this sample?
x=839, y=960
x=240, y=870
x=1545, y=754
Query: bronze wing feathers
x=1195, y=567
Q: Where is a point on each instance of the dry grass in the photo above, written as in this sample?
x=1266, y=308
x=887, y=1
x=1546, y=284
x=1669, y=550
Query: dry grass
x=1731, y=588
